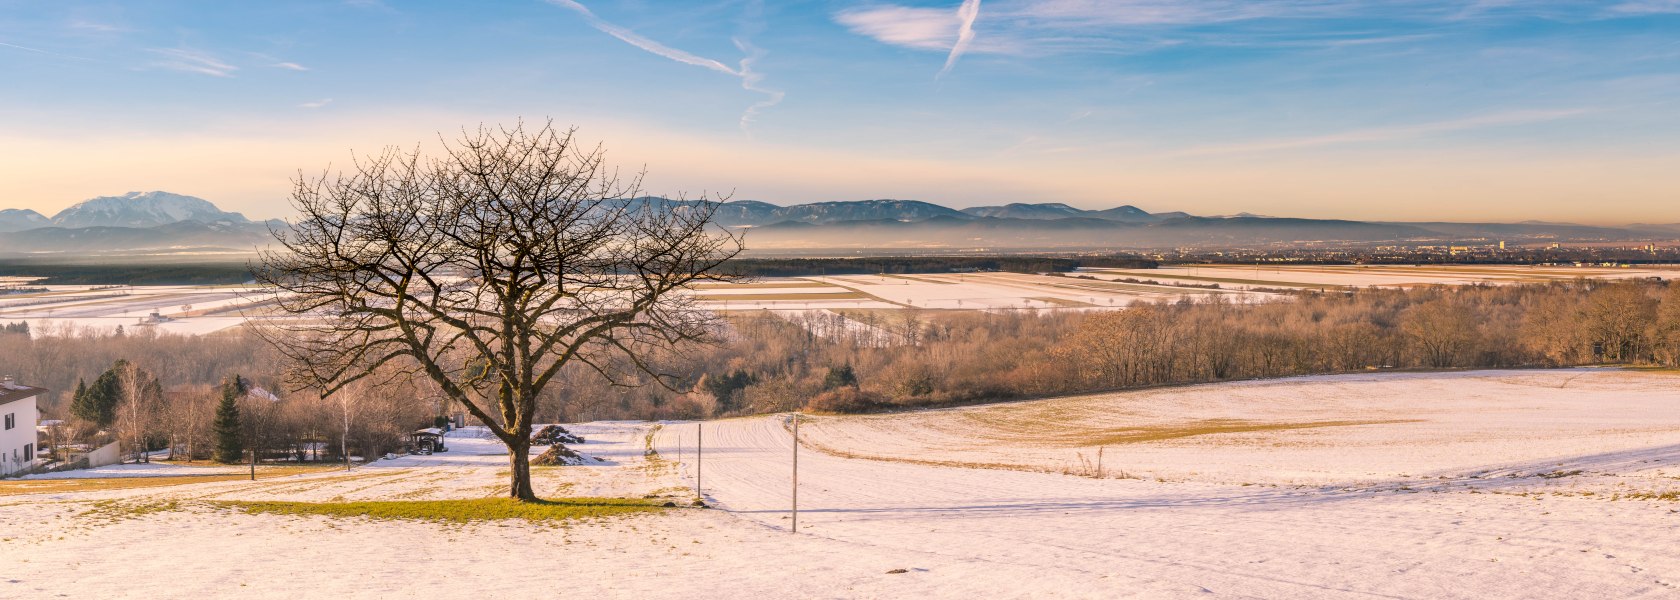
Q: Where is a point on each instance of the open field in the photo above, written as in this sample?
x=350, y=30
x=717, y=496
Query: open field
x=186, y=309
x=205, y=309
x=1355, y=276
x=968, y=291
x=1543, y=484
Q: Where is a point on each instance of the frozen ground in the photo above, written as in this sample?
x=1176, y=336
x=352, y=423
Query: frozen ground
x=1320, y=276
x=1541, y=484
x=62, y=310
x=153, y=469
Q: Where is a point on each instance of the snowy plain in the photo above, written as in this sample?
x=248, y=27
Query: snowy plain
x=1534, y=484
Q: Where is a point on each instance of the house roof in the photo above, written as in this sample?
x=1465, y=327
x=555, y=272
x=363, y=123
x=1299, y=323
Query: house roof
x=11, y=391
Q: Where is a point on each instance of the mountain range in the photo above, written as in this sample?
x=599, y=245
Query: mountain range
x=136, y=221
x=134, y=209
x=162, y=222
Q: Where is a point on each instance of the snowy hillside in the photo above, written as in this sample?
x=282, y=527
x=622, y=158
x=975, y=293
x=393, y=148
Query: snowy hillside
x=1486, y=484
x=19, y=219
x=142, y=209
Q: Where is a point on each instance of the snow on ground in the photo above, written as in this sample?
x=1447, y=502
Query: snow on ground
x=1509, y=519
x=1322, y=430
x=191, y=309
x=152, y=469
x=1308, y=276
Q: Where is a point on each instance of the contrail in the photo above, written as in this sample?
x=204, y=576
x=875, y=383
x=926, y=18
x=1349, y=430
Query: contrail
x=644, y=43
x=749, y=78
x=967, y=13
x=40, y=51
x=750, y=81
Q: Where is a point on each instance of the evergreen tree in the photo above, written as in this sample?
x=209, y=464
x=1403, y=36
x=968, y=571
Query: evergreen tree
x=841, y=376
x=229, y=444
x=76, y=399
x=97, y=403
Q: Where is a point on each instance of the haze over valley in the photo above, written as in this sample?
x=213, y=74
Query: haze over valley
x=157, y=222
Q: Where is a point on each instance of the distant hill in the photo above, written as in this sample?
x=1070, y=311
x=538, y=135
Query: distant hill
x=1057, y=210
x=18, y=219
x=142, y=209
x=182, y=237
x=166, y=223
x=154, y=222
x=753, y=213
x=1049, y=210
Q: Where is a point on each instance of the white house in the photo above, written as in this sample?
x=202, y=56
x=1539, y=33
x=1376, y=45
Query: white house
x=17, y=425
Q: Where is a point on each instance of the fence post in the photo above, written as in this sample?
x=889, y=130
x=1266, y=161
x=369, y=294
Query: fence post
x=1099, y=462
x=796, y=473
x=699, y=457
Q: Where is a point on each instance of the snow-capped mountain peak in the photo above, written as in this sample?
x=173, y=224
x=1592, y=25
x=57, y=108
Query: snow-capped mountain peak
x=142, y=209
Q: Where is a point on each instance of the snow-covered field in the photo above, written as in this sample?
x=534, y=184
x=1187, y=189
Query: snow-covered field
x=1315, y=276
x=1534, y=484
x=63, y=310
x=965, y=291
x=152, y=469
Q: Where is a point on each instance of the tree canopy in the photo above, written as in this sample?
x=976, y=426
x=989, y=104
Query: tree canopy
x=487, y=270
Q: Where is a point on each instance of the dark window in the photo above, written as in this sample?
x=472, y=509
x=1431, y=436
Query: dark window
x=11, y=420
x=29, y=451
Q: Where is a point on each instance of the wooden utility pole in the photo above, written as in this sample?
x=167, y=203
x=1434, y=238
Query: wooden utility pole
x=253, y=464
x=796, y=472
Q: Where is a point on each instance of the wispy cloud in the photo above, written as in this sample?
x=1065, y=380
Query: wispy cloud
x=1026, y=27
x=95, y=27
x=192, y=61
x=316, y=104
x=751, y=80
x=966, y=14
x=909, y=27
x=1385, y=134
x=1646, y=7
x=290, y=66
x=640, y=41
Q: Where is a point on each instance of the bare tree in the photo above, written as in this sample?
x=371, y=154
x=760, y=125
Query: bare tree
x=139, y=398
x=1617, y=318
x=1667, y=329
x=489, y=269
x=1443, y=331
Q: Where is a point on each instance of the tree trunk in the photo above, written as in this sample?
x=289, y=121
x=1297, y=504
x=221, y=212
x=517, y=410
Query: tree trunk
x=519, y=455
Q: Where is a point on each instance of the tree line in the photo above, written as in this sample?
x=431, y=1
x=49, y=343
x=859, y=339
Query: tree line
x=211, y=397
x=865, y=360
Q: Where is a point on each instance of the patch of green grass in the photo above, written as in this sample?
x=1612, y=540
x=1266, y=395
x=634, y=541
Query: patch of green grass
x=111, y=511
x=457, y=511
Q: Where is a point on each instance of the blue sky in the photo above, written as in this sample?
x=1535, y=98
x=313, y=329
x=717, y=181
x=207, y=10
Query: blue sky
x=1424, y=109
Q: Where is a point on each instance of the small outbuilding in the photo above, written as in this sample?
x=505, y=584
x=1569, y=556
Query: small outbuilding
x=427, y=441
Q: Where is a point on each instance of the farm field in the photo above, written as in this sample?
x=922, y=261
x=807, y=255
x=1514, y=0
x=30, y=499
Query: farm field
x=206, y=309
x=185, y=309
x=1332, y=277
x=1543, y=483
x=966, y=291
